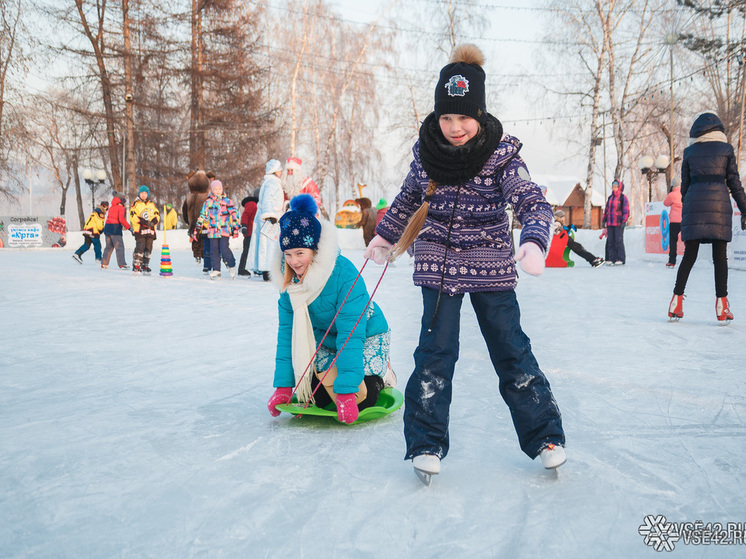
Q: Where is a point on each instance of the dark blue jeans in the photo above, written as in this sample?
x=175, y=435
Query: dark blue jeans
x=523, y=386
x=87, y=242
x=206, y=262
x=220, y=247
x=615, y=244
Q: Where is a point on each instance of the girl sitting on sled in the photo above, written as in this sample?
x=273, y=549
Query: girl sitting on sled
x=316, y=284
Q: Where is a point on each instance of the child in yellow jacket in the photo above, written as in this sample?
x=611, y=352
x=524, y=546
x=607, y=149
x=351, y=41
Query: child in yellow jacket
x=94, y=225
x=144, y=217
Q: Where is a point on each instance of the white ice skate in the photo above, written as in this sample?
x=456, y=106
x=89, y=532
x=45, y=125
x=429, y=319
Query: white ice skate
x=426, y=466
x=553, y=456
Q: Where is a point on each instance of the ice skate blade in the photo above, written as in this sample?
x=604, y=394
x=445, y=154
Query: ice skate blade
x=674, y=318
x=425, y=478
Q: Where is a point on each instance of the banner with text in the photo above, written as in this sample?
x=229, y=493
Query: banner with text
x=26, y=231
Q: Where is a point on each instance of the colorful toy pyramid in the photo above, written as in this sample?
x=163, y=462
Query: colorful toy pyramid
x=166, y=269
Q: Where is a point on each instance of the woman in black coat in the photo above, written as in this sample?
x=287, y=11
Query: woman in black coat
x=709, y=177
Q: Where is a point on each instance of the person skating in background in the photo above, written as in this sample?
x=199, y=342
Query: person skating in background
x=269, y=209
x=116, y=219
x=218, y=217
x=616, y=214
x=316, y=284
x=247, y=228
x=144, y=217
x=92, y=230
x=572, y=244
x=171, y=219
x=673, y=201
x=381, y=208
x=452, y=205
x=367, y=219
x=709, y=177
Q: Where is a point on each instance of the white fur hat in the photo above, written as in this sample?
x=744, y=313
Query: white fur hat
x=272, y=167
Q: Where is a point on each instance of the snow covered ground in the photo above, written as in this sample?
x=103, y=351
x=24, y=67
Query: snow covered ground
x=133, y=420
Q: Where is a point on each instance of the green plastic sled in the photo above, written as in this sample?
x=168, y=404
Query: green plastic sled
x=389, y=400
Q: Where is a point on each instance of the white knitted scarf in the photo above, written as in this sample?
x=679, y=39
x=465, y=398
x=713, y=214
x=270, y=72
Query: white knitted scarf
x=301, y=296
x=714, y=136
x=303, y=340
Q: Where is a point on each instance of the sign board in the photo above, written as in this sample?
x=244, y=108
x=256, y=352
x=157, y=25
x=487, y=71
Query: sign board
x=26, y=231
x=657, y=238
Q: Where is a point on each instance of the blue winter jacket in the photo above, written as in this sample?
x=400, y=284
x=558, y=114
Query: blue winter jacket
x=322, y=310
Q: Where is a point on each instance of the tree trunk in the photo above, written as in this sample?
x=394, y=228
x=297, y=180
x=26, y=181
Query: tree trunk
x=594, y=134
x=294, y=81
x=81, y=215
x=196, y=131
x=97, y=42
x=131, y=181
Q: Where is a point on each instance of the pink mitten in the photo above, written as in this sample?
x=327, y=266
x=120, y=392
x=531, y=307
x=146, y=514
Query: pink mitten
x=378, y=250
x=603, y=233
x=347, y=411
x=282, y=395
x=531, y=258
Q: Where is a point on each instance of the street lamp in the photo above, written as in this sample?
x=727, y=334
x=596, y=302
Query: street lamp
x=650, y=167
x=94, y=180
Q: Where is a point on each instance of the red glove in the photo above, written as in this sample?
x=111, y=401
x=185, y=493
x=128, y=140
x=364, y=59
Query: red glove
x=282, y=395
x=603, y=233
x=347, y=411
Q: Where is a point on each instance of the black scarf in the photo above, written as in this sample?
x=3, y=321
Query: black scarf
x=448, y=164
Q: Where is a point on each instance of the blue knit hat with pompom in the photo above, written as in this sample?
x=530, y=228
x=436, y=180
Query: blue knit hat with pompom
x=299, y=227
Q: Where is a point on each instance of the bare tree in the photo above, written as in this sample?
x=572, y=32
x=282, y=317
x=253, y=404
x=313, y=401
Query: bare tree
x=93, y=24
x=59, y=140
x=329, y=69
x=131, y=179
x=10, y=25
x=607, y=40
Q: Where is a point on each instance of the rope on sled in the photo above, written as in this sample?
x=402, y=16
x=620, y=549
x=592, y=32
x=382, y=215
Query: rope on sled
x=321, y=380
x=318, y=347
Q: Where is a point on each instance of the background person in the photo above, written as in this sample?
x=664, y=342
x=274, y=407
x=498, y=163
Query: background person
x=709, y=177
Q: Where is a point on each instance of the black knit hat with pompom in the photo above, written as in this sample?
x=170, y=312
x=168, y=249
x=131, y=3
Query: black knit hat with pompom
x=460, y=88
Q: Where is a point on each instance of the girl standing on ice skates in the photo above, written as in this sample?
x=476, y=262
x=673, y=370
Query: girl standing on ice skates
x=453, y=201
x=316, y=284
x=709, y=177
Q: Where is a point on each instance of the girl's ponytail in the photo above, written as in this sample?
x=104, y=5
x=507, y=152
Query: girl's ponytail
x=415, y=223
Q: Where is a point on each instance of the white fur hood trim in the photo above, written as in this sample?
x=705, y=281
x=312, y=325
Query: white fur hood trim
x=320, y=268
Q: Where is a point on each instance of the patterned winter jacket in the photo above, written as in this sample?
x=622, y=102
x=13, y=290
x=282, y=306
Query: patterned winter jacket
x=466, y=240
x=218, y=217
